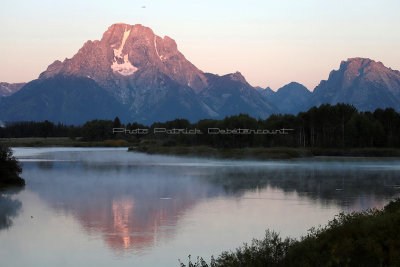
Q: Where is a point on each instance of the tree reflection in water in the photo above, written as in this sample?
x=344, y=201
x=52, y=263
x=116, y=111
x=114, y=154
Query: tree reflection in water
x=9, y=209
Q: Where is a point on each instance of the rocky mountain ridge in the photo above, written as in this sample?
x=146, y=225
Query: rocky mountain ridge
x=148, y=79
x=7, y=89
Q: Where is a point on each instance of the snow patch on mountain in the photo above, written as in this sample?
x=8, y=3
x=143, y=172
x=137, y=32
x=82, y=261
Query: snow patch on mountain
x=162, y=58
x=126, y=68
x=155, y=46
x=5, y=88
x=118, y=52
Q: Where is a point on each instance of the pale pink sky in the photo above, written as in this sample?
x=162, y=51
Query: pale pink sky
x=270, y=42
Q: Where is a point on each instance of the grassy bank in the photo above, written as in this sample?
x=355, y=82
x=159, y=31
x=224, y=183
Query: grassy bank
x=60, y=142
x=370, y=238
x=261, y=153
x=233, y=153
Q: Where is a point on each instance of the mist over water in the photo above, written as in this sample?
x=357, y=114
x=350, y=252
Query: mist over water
x=99, y=206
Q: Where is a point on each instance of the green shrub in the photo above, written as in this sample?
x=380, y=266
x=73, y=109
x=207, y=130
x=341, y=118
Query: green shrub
x=369, y=238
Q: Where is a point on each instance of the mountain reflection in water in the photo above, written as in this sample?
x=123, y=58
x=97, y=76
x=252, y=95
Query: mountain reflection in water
x=141, y=205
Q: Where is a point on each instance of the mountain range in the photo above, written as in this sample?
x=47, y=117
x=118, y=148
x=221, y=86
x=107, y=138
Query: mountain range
x=139, y=76
x=290, y=99
x=7, y=89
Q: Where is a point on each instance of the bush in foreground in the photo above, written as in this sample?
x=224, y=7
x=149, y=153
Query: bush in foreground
x=370, y=238
x=9, y=168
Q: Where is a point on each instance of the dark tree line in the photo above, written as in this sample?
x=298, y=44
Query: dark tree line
x=38, y=129
x=326, y=126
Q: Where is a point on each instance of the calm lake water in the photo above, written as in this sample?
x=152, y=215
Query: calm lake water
x=110, y=207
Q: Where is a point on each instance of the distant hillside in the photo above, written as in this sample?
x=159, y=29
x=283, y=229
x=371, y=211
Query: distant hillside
x=72, y=100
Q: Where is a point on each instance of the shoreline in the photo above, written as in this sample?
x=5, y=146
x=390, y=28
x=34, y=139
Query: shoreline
x=265, y=153
x=254, y=153
x=61, y=142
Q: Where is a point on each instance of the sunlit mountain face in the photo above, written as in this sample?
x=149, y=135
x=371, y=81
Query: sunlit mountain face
x=144, y=77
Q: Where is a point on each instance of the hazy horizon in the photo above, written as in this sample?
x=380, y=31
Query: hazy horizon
x=270, y=43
